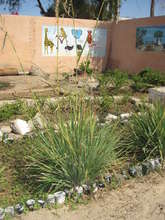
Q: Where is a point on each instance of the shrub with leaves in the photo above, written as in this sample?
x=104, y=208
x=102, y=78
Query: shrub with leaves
x=145, y=135
x=77, y=154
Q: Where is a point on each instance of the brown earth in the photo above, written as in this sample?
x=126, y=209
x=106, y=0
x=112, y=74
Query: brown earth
x=137, y=199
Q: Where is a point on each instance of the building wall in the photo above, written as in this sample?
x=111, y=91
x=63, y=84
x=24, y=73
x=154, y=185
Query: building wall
x=123, y=53
x=25, y=36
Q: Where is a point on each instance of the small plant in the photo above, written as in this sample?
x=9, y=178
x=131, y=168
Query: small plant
x=77, y=154
x=4, y=85
x=85, y=67
x=146, y=79
x=145, y=136
x=9, y=110
x=112, y=81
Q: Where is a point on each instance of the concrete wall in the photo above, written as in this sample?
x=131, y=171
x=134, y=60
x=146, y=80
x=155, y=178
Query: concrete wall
x=26, y=35
x=123, y=53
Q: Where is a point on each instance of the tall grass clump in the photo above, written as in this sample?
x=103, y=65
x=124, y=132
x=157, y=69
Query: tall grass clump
x=77, y=154
x=145, y=136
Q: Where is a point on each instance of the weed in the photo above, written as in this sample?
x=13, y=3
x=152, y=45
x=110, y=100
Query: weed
x=77, y=154
x=145, y=134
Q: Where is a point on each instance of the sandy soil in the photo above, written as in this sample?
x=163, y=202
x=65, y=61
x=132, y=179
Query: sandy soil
x=138, y=199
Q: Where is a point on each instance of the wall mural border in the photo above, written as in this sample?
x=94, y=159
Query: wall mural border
x=72, y=40
x=150, y=38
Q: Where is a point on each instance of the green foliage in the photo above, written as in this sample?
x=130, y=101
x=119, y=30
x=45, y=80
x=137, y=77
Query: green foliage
x=85, y=67
x=147, y=78
x=112, y=81
x=9, y=110
x=2, y=178
x=145, y=134
x=77, y=154
x=4, y=85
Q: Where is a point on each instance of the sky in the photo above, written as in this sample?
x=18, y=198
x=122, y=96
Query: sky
x=130, y=8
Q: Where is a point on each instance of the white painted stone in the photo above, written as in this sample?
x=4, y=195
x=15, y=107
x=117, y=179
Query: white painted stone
x=6, y=129
x=60, y=197
x=51, y=199
x=79, y=190
x=110, y=117
x=20, y=126
x=39, y=121
x=9, y=210
x=125, y=116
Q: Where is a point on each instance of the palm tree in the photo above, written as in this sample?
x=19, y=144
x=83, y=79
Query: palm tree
x=152, y=9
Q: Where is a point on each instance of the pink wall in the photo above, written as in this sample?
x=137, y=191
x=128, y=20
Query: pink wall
x=26, y=35
x=123, y=53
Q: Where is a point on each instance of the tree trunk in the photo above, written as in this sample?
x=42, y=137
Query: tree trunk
x=116, y=10
x=57, y=3
x=152, y=10
x=42, y=10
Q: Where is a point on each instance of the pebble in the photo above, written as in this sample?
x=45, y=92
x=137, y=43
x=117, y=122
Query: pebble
x=146, y=168
x=51, y=199
x=79, y=190
x=132, y=171
x=108, y=178
x=101, y=185
x=139, y=170
x=2, y=214
x=86, y=189
x=60, y=197
x=9, y=210
x=41, y=202
x=30, y=204
x=19, y=208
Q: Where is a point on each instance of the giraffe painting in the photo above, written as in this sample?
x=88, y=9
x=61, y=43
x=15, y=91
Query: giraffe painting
x=47, y=43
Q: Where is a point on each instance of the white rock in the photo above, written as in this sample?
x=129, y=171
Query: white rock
x=2, y=214
x=39, y=121
x=60, y=197
x=20, y=127
x=6, y=129
x=9, y=210
x=110, y=117
x=51, y=199
x=79, y=190
x=125, y=116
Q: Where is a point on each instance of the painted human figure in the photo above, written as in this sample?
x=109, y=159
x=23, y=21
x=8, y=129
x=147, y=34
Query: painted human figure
x=89, y=37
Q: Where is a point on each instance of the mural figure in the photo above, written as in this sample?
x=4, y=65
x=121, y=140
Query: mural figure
x=77, y=33
x=47, y=43
x=158, y=35
x=63, y=36
x=150, y=38
x=69, y=47
x=73, y=42
x=89, y=37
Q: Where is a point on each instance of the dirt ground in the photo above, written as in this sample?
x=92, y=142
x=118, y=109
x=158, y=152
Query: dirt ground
x=138, y=199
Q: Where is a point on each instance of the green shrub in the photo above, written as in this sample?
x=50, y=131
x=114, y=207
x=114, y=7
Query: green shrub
x=152, y=77
x=85, y=67
x=147, y=78
x=145, y=133
x=9, y=110
x=112, y=81
x=77, y=154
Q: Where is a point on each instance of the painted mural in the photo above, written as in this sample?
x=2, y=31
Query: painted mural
x=150, y=38
x=74, y=40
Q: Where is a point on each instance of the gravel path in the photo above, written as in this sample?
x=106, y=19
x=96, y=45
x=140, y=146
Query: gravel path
x=139, y=199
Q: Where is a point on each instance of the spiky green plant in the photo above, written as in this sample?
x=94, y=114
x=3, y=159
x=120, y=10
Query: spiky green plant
x=146, y=133
x=78, y=153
